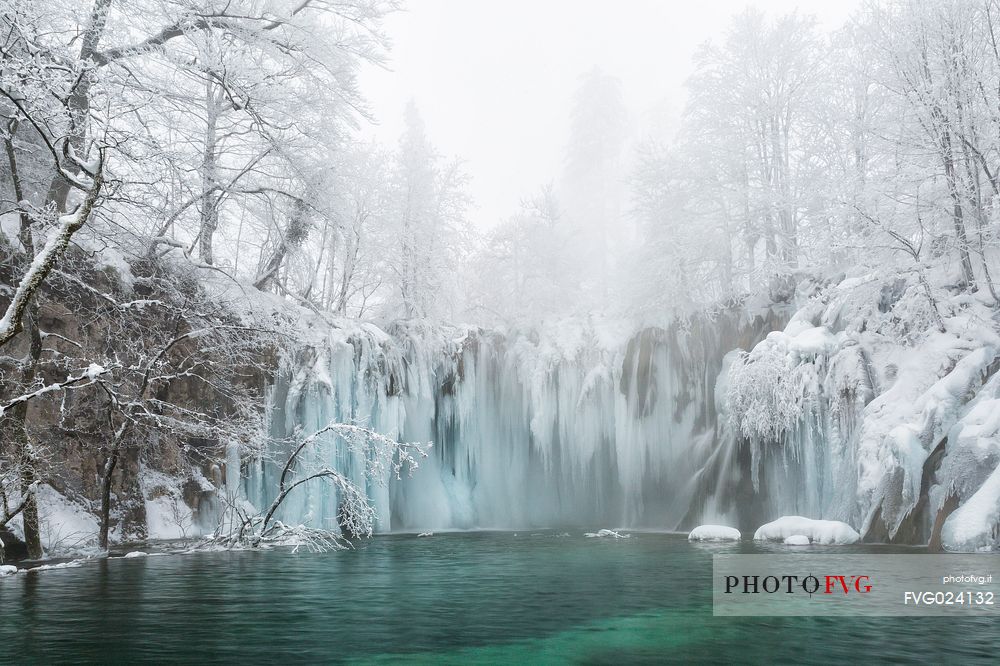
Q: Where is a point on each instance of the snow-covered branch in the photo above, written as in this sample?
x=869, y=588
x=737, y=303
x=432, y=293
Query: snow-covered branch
x=84, y=378
x=43, y=263
x=355, y=513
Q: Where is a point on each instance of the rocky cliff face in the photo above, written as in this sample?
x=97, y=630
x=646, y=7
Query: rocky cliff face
x=124, y=320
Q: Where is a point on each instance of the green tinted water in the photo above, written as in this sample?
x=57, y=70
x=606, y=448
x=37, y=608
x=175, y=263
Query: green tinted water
x=451, y=598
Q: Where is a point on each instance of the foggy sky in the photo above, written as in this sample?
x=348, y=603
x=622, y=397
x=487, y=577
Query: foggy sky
x=494, y=79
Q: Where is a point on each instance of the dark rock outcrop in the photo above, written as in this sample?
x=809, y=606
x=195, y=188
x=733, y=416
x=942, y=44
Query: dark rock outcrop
x=11, y=548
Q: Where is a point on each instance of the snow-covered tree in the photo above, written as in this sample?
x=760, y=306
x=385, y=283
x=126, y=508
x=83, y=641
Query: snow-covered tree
x=524, y=273
x=593, y=182
x=428, y=207
x=136, y=131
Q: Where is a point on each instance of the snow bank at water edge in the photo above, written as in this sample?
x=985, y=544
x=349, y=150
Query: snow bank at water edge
x=714, y=533
x=826, y=532
x=73, y=564
x=797, y=540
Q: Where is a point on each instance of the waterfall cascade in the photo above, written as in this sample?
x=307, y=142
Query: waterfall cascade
x=540, y=430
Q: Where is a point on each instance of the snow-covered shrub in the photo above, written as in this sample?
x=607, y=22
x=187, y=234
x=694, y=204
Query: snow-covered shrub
x=768, y=388
x=761, y=400
x=243, y=526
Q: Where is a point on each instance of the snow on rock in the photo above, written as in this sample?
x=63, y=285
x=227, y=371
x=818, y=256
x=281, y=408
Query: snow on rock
x=134, y=554
x=827, y=532
x=714, y=533
x=66, y=526
x=7, y=570
x=797, y=325
x=969, y=472
x=426, y=534
x=976, y=524
x=813, y=341
x=70, y=527
x=932, y=388
x=168, y=517
x=167, y=514
x=606, y=533
x=843, y=407
x=797, y=540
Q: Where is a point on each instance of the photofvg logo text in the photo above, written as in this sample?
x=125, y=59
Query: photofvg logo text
x=832, y=584
x=788, y=584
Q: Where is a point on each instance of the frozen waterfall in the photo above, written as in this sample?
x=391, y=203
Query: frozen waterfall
x=526, y=432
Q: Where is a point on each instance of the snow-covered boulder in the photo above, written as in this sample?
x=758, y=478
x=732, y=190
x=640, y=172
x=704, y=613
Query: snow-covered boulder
x=7, y=570
x=714, y=533
x=904, y=424
x=976, y=524
x=826, y=532
x=606, y=533
x=797, y=540
x=970, y=474
x=134, y=554
x=12, y=547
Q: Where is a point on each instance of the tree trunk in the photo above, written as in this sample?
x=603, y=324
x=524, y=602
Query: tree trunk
x=786, y=216
x=958, y=217
x=29, y=477
x=406, y=285
x=294, y=235
x=29, y=462
x=972, y=170
x=25, y=452
x=209, y=175
x=22, y=303
x=749, y=232
x=79, y=102
x=347, y=277
x=106, y=479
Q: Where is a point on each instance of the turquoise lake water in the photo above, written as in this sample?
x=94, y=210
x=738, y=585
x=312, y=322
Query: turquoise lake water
x=480, y=597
